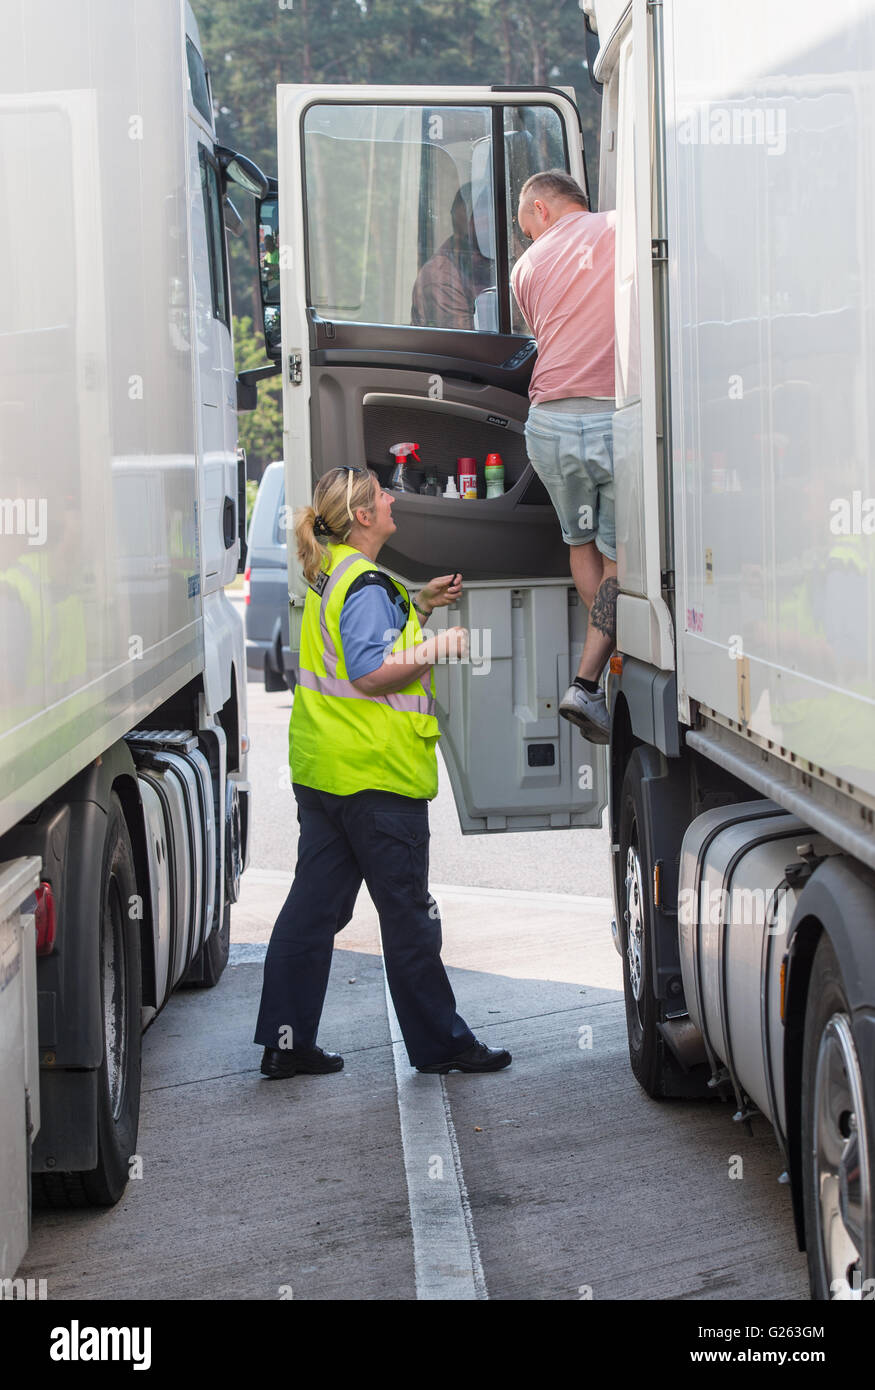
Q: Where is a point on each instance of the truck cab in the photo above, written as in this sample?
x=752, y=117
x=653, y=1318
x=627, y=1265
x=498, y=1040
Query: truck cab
x=386, y=257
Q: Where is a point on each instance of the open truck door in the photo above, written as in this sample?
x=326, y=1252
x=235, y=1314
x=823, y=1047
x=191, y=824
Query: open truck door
x=387, y=252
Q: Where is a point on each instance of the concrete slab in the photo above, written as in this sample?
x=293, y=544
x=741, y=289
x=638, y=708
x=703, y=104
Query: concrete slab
x=251, y=1188
x=265, y=1190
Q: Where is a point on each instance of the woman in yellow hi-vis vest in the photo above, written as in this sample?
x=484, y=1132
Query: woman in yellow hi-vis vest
x=362, y=752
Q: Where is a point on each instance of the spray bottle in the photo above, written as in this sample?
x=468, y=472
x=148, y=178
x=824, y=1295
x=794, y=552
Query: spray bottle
x=401, y=480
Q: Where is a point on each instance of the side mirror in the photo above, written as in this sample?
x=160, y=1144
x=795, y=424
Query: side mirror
x=238, y=168
x=269, y=269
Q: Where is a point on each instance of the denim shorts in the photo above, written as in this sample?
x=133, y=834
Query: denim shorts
x=573, y=455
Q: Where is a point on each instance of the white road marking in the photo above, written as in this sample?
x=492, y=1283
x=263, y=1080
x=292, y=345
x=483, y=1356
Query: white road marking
x=446, y=1257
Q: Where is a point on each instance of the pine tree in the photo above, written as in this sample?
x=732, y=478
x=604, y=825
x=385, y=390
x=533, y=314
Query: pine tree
x=251, y=46
x=260, y=430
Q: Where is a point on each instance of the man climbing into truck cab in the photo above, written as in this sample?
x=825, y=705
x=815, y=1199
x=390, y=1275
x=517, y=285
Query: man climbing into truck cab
x=564, y=286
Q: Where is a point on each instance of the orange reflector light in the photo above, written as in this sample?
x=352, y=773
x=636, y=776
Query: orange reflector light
x=656, y=877
x=616, y=664
x=783, y=985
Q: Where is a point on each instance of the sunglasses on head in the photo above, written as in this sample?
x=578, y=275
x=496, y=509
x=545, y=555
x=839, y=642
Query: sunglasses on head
x=349, y=468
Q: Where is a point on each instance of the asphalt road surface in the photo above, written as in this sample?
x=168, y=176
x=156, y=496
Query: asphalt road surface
x=556, y=1179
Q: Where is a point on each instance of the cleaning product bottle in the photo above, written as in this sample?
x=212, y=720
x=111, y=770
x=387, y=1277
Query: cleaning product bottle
x=430, y=487
x=401, y=480
x=494, y=475
x=466, y=469
x=451, y=489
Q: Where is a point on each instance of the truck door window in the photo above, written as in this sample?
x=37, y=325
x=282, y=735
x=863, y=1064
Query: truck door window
x=198, y=84
x=215, y=235
x=534, y=140
x=402, y=219
x=399, y=228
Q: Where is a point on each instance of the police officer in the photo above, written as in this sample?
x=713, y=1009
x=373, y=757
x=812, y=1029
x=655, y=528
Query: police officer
x=362, y=751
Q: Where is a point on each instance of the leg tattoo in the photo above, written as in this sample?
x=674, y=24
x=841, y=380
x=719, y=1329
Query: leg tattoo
x=603, y=614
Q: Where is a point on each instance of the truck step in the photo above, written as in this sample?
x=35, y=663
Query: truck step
x=161, y=740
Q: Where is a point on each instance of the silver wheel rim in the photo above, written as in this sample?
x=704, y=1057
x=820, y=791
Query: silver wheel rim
x=114, y=997
x=233, y=846
x=634, y=915
x=841, y=1160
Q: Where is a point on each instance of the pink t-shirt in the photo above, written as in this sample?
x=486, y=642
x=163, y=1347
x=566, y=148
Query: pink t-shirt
x=564, y=285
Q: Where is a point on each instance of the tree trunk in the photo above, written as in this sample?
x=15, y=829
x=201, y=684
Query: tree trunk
x=306, y=55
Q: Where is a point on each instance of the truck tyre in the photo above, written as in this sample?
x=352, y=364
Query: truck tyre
x=118, y=1080
x=274, y=680
x=636, y=868
x=213, y=956
x=208, y=966
x=836, y=1140
x=654, y=1065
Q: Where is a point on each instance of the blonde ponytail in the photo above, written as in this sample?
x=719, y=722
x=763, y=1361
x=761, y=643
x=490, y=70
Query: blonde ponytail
x=311, y=553
x=338, y=495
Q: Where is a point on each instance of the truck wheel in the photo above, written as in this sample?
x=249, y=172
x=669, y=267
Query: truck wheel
x=274, y=680
x=836, y=1135
x=118, y=1080
x=208, y=966
x=215, y=952
x=645, y=1044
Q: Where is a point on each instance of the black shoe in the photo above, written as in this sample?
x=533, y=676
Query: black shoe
x=278, y=1062
x=477, y=1058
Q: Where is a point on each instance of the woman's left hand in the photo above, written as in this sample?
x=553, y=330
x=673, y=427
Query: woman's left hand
x=440, y=592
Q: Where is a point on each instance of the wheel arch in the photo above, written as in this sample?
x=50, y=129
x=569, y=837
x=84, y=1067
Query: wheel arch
x=69, y=834
x=839, y=902
x=126, y=788
x=229, y=716
x=623, y=744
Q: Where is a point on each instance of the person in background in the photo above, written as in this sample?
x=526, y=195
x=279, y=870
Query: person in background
x=564, y=286
x=449, y=283
x=364, y=768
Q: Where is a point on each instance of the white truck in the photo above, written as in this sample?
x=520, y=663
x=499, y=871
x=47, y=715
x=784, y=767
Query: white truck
x=124, y=803
x=740, y=778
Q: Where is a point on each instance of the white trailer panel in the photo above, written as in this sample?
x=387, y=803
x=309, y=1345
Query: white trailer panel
x=19, y=1061
x=770, y=118
x=100, y=564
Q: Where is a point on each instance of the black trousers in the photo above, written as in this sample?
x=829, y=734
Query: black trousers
x=382, y=839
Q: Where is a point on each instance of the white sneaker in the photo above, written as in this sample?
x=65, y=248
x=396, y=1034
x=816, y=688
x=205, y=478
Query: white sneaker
x=588, y=712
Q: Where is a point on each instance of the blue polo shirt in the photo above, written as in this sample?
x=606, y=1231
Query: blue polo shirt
x=370, y=623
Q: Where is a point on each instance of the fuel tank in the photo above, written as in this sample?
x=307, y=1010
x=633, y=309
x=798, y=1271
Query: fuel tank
x=735, y=906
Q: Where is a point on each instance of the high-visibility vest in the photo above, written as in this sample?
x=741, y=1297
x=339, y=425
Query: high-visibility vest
x=24, y=692
x=55, y=657
x=69, y=646
x=828, y=726
x=341, y=740
x=23, y=579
